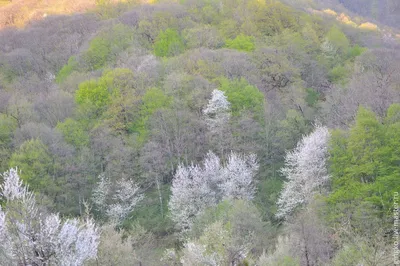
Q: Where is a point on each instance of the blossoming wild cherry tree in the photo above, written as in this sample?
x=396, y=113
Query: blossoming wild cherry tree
x=305, y=170
x=29, y=235
x=196, y=187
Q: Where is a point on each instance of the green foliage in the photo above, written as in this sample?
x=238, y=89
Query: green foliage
x=74, y=133
x=67, y=69
x=110, y=127
x=241, y=43
x=107, y=45
x=168, y=43
x=393, y=114
x=93, y=95
x=35, y=163
x=7, y=128
x=152, y=100
x=291, y=129
x=267, y=196
x=151, y=214
x=240, y=218
x=312, y=97
x=355, y=51
x=338, y=74
x=280, y=259
x=242, y=96
x=98, y=53
x=364, y=162
x=347, y=256
x=338, y=39
x=7, y=74
x=118, y=81
x=273, y=17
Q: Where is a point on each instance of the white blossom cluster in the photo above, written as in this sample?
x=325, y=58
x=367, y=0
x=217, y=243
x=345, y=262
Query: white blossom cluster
x=195, y=187
x=305, y=170
x=116, y=203
x=30, y=236
x=217, y=110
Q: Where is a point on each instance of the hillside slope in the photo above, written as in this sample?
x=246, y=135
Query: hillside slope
x=201, y=132
x=384, y=12
x=19, y=12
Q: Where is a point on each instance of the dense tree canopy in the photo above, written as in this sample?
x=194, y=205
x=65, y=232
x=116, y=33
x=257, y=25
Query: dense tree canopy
x=218, y=132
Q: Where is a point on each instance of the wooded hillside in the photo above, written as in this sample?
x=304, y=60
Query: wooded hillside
x=204, y=132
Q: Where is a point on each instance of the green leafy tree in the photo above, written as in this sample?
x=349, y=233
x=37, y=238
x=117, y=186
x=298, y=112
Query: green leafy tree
x=290, y=130
x=273, y=17
x=243, y=96
x=231, y=232
x=312, y=97
x=98, y=53
x=152, y=100
x=336, y=44
x=241, y=43
x=67, y=69
x=93, y=96
x=364, y=163
x=7, y=128
x=168, y=43
x=339, y=74
x=74, y=133
x=355, y=51
x=105, y=47
x=34, y=161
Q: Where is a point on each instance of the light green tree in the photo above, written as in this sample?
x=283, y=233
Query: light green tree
x=7, y=128
x=168, y=43
x=152, y=100
x=364, y=163
x=74, y=132
x=241, y=43
x=36, y=165
x=243, y=96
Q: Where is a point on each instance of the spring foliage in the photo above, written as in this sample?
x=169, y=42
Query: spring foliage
x=168, y=43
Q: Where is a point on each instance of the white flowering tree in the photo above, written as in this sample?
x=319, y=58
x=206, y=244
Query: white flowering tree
x=31, y=236
x=192, y=190
x=305, y=170
x=217, y=111
x=197, y=187
x=238, y=175
x=217, y=115
x=116, y=202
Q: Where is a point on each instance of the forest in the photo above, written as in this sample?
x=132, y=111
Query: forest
x=201, y=132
